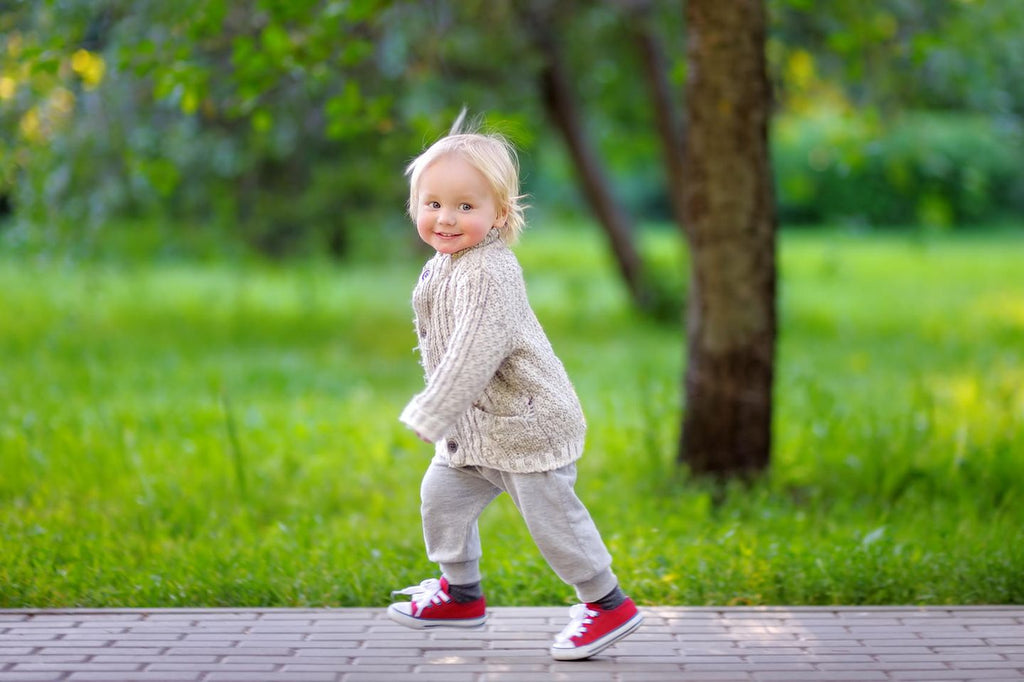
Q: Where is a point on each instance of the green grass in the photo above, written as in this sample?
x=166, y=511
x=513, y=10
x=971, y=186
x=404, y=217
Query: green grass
x=225, y=434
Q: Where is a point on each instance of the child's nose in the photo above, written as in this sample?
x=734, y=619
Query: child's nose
x=447, y=217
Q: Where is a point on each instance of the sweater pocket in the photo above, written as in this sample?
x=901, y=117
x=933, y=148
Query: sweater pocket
x=513, y=433
x=509, y=421
x=495, y=404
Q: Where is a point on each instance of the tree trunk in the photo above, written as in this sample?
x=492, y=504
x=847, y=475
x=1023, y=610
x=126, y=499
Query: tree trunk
x=730, y=219
x=669, y=128
x=560, y=104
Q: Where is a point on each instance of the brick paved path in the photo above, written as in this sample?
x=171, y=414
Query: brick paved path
x=293, y=645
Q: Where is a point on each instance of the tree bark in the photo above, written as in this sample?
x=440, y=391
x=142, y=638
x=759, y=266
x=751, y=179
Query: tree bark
x=731, y=225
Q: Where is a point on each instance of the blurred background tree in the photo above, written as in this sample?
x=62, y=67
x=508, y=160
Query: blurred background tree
x=898, y=113
x=287, y=125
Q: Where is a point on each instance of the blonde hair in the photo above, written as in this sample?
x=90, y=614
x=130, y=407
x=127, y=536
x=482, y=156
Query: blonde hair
x=491, y=154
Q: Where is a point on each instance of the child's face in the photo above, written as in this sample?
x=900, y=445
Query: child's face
x=456, y=205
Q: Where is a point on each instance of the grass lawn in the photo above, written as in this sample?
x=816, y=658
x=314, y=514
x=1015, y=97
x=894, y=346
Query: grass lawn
x=179, y=433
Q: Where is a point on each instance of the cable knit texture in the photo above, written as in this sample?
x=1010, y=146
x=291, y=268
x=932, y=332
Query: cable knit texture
x=496, y=394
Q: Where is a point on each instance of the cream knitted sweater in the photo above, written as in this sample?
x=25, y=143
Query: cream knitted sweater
x=496, y=394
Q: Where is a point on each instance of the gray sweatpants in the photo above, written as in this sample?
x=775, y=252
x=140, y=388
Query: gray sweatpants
x=454, y=497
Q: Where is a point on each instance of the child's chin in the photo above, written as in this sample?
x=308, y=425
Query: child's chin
x=449, y=245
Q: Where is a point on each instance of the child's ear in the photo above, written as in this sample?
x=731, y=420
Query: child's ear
x=502, y=219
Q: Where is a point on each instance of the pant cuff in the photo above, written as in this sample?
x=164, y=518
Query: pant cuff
x=597, y=587
x=462, y=572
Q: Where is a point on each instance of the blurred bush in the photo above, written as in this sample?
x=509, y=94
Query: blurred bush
x=933, y=169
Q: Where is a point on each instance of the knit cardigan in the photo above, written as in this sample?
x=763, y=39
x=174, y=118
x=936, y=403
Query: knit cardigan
x=496, y=395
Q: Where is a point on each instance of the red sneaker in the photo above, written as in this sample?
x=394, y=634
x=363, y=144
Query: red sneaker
x=432, y=606
x=592, y=629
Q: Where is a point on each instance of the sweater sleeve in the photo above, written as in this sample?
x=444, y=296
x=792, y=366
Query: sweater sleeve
x=480, y=341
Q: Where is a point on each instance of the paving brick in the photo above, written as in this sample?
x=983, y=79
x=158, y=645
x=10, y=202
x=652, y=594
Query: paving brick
x=53, y=633
x=831, y=676
x=209, y=661
x=285, y=660
x=645, y=676
x=147, y=643
x=409, y=662
x=747, y=667
x=929, y=675
x=340, y=639
x=188, y=628
x=44, y=622
x=808, y=658
x=270, y=677
x=981, y=654
x=91, y=666
x=987, y=665
x=889, y=665
x=13, y=660
x=1001, y=631
x=203, y=667
x=204, y=615
x=122, y=650
x=133, y=677
x=577, y=676
x=876, y=651
x=228, y=651
x=317, y=628
x=16, y=650
x=742, y=644
x=431, y=666
x=454, y=676
x=687, y=650
x=25, y=636
x=955, y=651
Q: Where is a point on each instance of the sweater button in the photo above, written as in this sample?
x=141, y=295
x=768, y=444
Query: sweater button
x=423, y=331
x=452, y=446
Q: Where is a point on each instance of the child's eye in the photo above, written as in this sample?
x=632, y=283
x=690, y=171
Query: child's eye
x=434, y=204
x=465, y=207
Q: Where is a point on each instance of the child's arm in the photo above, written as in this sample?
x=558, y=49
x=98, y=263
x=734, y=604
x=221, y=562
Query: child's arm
x=481, y=340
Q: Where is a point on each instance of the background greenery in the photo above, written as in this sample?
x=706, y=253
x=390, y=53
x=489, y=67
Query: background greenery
x=286, y=125
x=181, y=432
x=205, y=330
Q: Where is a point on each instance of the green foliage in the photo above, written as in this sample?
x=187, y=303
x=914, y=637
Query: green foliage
x=183, y=433
x=895, y=55
x=203, y=112
x=288, y=123
x=897, y=113
x=939, y=170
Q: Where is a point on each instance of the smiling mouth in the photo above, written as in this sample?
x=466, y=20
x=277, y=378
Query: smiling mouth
x=447, y=235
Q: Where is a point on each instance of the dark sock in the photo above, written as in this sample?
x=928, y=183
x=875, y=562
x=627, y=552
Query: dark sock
x=465, y=593
x=612, y=600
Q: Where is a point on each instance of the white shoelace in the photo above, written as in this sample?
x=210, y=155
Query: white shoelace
x=427, y=592
x=579, y=618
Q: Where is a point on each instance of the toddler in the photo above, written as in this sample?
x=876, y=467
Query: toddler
x=498, y=404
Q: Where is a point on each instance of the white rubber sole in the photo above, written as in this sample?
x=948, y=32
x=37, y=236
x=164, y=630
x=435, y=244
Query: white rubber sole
x=396, y=614
x=579, y=653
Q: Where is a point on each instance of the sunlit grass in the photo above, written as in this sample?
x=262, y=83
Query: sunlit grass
x=212, y=434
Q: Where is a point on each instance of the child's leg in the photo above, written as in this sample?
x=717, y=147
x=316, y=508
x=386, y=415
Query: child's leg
x=563, y=529
x=452, y=501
